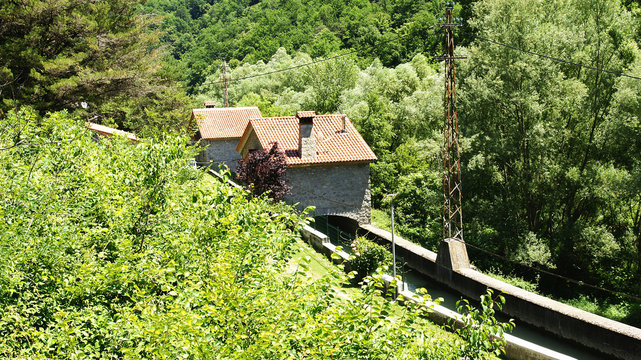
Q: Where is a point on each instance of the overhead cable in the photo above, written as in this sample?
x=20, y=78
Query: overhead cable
x=309, y=63
x=552, y=57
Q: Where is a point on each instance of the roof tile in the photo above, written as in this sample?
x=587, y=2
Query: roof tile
x=224, y=123
x=332, y=144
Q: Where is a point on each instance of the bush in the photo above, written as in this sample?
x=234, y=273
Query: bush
x=367, y=257
x=264, y=173
x=116, y=250
x=481, y=330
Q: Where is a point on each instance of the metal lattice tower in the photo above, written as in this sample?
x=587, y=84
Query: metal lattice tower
x=224, y=80
x=452, y=210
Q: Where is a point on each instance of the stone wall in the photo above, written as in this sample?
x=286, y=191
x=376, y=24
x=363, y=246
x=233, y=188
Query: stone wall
x=219, y=151
x=336, y=189
x=252, y=143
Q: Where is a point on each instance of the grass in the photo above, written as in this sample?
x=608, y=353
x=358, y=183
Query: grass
x=319, y=265
x=618, y=312
x=514, y=280
x=382, y=220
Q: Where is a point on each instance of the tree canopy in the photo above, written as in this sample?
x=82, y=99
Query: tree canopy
x=202, y=33
x=550, y=150
x=96, y=57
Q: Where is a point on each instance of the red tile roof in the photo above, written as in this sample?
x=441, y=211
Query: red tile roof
x=223, y=123
x=105, y=130
x=332, y=144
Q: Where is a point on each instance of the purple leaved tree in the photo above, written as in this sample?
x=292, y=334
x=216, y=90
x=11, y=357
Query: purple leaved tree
x=264, y=172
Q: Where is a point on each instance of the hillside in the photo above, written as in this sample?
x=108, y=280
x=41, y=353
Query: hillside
x=118, y=249
x=547, y=100
x=202, y=33
x=550, y=149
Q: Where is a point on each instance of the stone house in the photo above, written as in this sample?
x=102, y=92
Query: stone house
x=219, y=130
x=328, y=161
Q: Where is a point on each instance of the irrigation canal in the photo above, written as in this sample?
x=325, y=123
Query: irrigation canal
x=342, y=236
x=521, y=330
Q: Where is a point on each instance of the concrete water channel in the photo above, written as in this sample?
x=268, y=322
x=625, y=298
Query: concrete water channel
x=542, y=345
x=523, y=331
x=555, y=322
x=603, y=334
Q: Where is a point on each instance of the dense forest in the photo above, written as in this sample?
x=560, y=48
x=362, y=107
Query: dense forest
x=551, y=150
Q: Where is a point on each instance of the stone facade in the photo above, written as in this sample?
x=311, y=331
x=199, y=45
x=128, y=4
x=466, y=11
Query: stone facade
x=251, y=144
x=333, y=189
x=219, y=151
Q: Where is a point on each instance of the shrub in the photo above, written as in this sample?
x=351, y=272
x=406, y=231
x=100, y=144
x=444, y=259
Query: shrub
x=481, y=330
x=367, y=257
x=264, y=172
x=116, y=250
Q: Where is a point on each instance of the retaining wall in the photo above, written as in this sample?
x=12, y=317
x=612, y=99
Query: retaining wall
x=592, y=331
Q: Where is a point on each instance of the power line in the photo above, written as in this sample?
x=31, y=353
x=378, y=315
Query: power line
x=285, y=69
x=310, y=63
x=551, y=57
x=578, y=282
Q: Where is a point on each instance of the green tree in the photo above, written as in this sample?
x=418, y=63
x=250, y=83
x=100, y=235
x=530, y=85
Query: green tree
x=537, y=160
x=61, y=54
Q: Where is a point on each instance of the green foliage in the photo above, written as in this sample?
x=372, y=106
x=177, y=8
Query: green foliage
x=549, y=162
x=201, y=33
x=481, y=330
x=113, y=249
x=367, y=257
x=618, y=311
x=548, y=152
x=515, y=280
x=62, y=54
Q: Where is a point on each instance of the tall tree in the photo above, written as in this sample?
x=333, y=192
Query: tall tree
x=73, y=54
x=537, y=163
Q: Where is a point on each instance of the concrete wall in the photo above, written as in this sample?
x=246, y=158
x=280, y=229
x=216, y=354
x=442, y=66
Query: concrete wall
x=336, y=189
x=320, y=242
x=603, y=335
x=219, y=151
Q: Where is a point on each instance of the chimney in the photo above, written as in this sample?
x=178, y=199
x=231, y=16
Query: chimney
x=210, y=104
x=344, y=131
x=306, y=138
